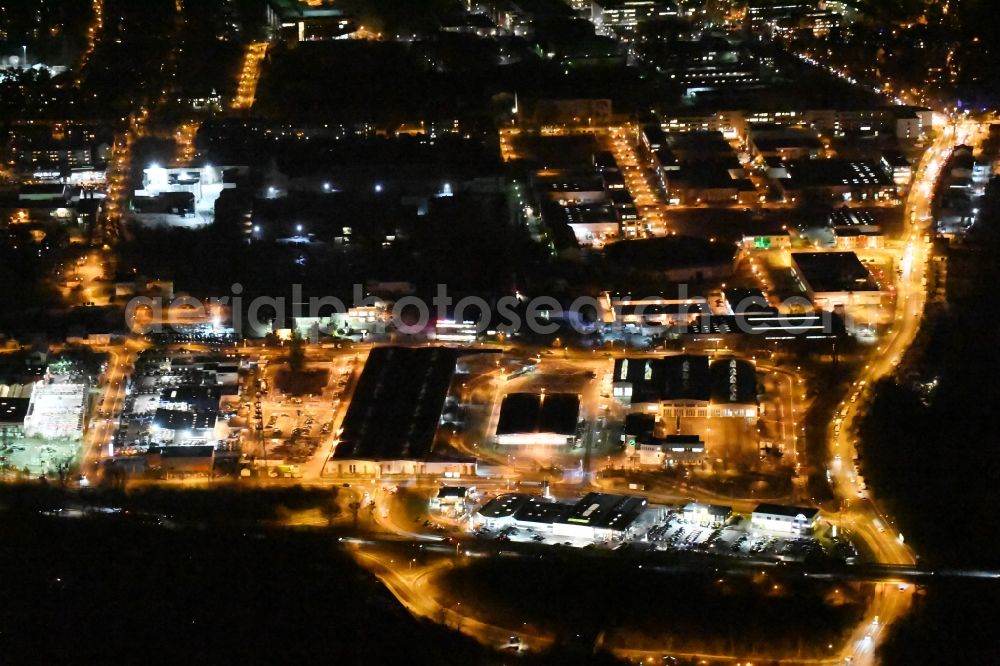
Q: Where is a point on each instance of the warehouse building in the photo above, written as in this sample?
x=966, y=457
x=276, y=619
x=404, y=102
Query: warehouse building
x=687, y=385
x=835, y=279
x=786, y=519
x=855, y=229
x=595, y=517
x=709, y=515
x=56, y=411
x=651, y=314
x=180, y=427
x=12, y=414
x=671, y=450
x=547, y=419
x=837, y=180
x=391, y=423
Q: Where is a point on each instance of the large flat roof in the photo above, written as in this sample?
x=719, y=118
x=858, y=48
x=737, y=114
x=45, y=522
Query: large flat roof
x=598, y=510
x=688, y=377
x=680, y=377
x=602, y=510
x=734, y=381
x=836, y=172
x=297, y=9
x=833, y=271
x=175, y=419
x=524, y=413
x=786, y=511
x=397, y=403
x=191, y=393
x=770, y=324
x=13, y=410
x=504, y=505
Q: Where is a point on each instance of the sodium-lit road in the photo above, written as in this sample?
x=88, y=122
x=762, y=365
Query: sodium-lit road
x=861, y=512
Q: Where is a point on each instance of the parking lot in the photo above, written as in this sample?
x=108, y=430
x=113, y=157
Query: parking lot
x=735, y=538
x=297, y=428
x=664, y=529
x=38, y=456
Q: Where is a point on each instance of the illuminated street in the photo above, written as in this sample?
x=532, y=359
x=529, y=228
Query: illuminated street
x=558, y=332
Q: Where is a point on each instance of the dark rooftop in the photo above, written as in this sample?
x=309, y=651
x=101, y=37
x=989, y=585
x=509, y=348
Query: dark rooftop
x=187, y=451
x=734, y=381
x=539, y=510
x=601, y=510
x=770, y=325
x=639, y=424
x=688, y=377
x=836, y=172
x=13, y=410
x=834, y=271
x=539, y=413
x=192, y=393
x=504, y=505
x=397, y=403
x=173, y=419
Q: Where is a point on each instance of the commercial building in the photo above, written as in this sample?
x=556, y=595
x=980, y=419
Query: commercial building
x=595, y=517
x=786, y=519
x=572, y=189
x=601, y=516
x=182, y=196
x=546, y=419
x=742, y=301
x=191, y=398
x=855, y=229
x=783, y=142
x=664, y=310
x=836, y=179
x=709, y=515
x=906, y=123
x=764, y=327
x=835, y=279
x=593, y=225
x=652, y=138
x=180, y=427
x=451, y=498
x=898, y=167
x=56, y=411
x=297, y=20
x=671, y=450
x=520, y=16
x=57, y=148
x=702, y=65
x=729, y=123
x=12, y=414
x=697, y=167
x=53, y=193
x=573, y=43
x=710, y=183
x=687, y=385
x=390, y=425
x=611, y=14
